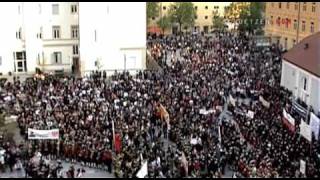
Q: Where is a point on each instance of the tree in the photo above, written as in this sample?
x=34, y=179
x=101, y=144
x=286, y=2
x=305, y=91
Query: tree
x=182, y=13
x=152, y=10
x=218, y=22
x=164, y=23
x=251, y=17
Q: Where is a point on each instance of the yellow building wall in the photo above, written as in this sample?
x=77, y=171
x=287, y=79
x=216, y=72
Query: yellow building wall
x=289, y=35
x=204, y=11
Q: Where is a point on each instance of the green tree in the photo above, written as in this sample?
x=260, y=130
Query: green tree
x=152, y=10
x=164, y=23
x=251, y=17
x=182, y=13
x=218, y=22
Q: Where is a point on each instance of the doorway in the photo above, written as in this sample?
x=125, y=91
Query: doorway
x=75, y=65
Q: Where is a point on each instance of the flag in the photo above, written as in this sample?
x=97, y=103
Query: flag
x=117, y=143
x=184, y=162
x=143, y=171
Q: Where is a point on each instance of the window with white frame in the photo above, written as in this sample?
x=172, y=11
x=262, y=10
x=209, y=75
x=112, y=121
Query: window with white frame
x=55, y=9
x=74, y=32
x=20, y=61
x=75, y=49
x=56, y=58
x=56, y=32
x=74, y=9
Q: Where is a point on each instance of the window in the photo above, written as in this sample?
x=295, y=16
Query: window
x=56, y=58
x=305, y=83
x=271, y=20
x=74, y=32
x=56, y=32
x=74, y=9
x=296, y=6
x=304, y=7
x=196, y=7
x=288, y=5
x=285, y=43
x=19, y=9
x=75, y=49
x=20, y=61
x=206, y=17
x=0, y=60
x=293, y=41
x=312, y=27
x=206, y=7
x=195, y=17
x=18, y=33
x=278, y=21
x=303, y=27
x=164, y=8
x=280, y=5
x=295, y=25
x=313, y=9
x=287, y=23
x=40, y=34
x=95, y=35
x=55, y=9
x=153, y=18
x=39, y=8
x=272, y=4
x=174, y=7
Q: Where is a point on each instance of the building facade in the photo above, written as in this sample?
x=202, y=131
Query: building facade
x=45, y=36
x=289, y=22
x=112, y=45
x=301, y=71
x=203, y=21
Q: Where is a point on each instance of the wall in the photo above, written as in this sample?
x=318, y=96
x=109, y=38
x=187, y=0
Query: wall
x=291, y=78
x=102, y=36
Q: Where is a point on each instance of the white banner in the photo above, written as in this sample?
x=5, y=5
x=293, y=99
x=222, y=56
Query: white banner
x=250, y=114
x=43, y=134
x=315, y=125
x=205, y=112
x=305, y=130
x=143, y=171
x=288, y=117
x=302, y=166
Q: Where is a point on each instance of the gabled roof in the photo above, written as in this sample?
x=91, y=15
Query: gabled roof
x=306, y=54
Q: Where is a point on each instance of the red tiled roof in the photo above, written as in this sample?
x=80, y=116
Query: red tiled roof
x=306, y=58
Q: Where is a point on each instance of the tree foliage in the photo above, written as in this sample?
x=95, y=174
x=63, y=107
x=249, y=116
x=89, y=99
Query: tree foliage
x=251, y=17
x=152, y=10
x=164, y=23
x=182, y=13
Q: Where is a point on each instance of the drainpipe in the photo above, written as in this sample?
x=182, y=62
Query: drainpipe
x=298, y=28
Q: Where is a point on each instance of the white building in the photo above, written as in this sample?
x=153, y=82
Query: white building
x=301, y=71
x=46, y=35
x=112, y=34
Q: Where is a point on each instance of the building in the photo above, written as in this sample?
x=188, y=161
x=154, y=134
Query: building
x=203, y=21
x=45, y=36
x=289, y=22
x=109, y=45
x=301, y=71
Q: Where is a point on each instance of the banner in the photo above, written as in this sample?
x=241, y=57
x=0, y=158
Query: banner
x=305, y=130
x=250, y=114
x=288, y=121
x=299, y=109
x=302, y=166
x=232, y=100
x=264, y=102
x=43, y=134
x=143, y=171
x=205, y=112
x=315, y=125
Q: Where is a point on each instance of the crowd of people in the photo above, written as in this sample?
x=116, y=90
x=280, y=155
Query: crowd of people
x=198, y=139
